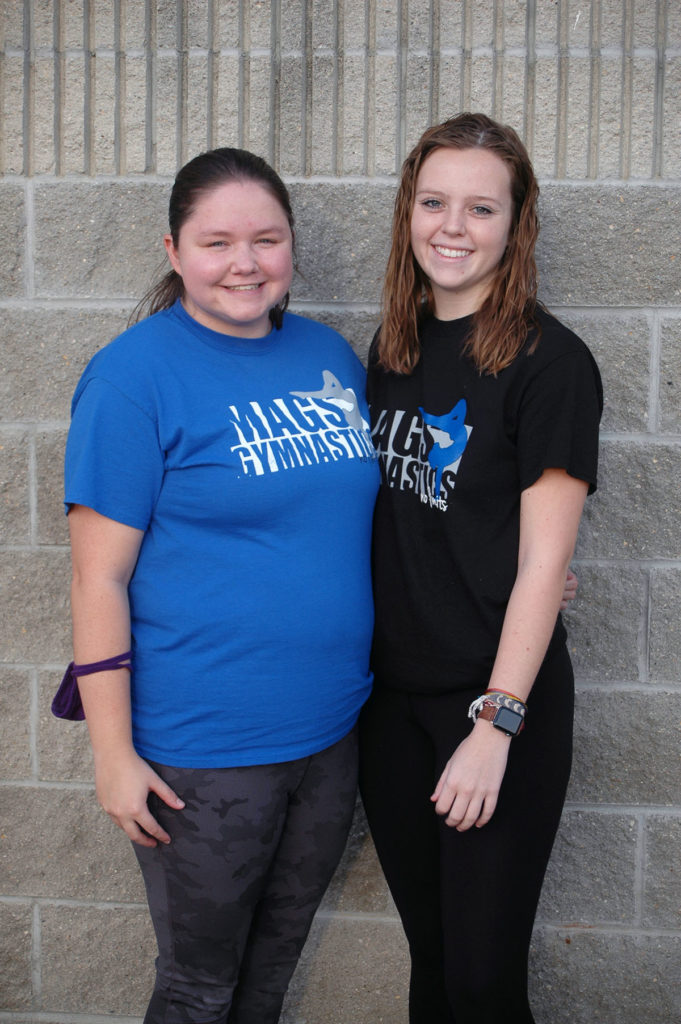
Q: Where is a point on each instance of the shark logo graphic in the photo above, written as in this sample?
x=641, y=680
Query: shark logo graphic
x=344, y=399
x=450, y=436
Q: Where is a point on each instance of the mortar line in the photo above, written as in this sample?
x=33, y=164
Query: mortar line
x=36, y=955
x=150, y=106
x=639, y=870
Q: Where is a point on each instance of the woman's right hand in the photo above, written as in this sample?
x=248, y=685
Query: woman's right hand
x=123, y=785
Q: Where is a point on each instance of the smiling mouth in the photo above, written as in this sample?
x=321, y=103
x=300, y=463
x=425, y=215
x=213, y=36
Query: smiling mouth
x=451, y=253
x=243, y=287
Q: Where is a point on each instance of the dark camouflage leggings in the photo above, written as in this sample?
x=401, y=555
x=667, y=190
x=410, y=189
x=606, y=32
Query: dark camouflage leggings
x=233, y=896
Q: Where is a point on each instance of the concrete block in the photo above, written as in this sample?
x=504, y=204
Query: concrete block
x=12, y=27
x=665, y=616
x=72, y=148
x=387, y=155
x=636, y=511
x=342, y=240
x=104, y=114
x=15, y=526
x=43, y=25
x=662, y=873
x=98, y=241
x=16, y=926
x=601, y=977
x=610, y=117
x=12, y=100
x=481, y=84
x=592, y=871
x=72, y=28
x=354, y=141
x=96, y=960
x=42, y=357
x=387, y=15
x=603, y=262
x=226, y=85
x=578, y=115
x=546, y=25
x=167, y=85
x=643, y=141
x=12, y=217
x=324, y=18
x=257, y=126
x=134, y=115
x=52, y=525
x=15, y=714
x=259, y=23
x=619, y=342
x=197, y=25
x=514, y=17
x=44, y=142
x=103, y=30
x=324, y=110
x=64, y=752
x=606, y=623
x=671, y=159
x=34, y=606
x=645, y=23
x=351, y=970
x=611, y=763
x=167, y=27
x=227, y=24
x=76, y=852
x=358, y=885
x=355, y=28
x=670, y=376
x=451, y=79
x=416, y=113
x=196, y=127
x=481, y=27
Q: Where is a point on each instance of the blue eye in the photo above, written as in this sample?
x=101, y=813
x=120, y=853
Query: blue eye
x=482, y=210
x=431, y=204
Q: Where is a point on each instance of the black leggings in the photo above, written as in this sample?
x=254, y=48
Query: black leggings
x=467, y=899
x=233, y=896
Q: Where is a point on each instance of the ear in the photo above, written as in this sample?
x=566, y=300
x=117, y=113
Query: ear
x=172, y=253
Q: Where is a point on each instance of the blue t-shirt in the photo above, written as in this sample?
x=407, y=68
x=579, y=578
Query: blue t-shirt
x=249, y=466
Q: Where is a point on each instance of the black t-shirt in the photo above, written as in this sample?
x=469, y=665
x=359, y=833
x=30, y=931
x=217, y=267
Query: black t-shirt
x=456, y=450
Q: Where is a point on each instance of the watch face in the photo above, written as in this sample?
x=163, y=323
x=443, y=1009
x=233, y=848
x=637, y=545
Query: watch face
x=508, y=721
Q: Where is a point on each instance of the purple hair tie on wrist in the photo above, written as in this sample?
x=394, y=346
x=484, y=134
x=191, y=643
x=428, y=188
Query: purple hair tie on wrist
x=66, y=702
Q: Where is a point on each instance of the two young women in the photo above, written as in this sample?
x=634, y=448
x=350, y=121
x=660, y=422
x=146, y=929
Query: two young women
x=220, y=481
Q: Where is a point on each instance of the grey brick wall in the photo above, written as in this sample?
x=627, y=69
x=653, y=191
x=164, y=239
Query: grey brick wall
x=100, y=101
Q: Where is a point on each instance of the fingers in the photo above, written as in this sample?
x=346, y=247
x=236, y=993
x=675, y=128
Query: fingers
x=463, y=811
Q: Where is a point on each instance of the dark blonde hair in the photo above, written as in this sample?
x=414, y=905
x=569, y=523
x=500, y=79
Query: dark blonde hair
x=204, y=173
x=501, y=325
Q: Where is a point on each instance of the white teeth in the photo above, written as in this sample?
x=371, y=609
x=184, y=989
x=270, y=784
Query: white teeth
x=243, y=287
x=451, y=252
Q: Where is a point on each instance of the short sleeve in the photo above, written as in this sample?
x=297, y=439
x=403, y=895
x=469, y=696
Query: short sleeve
x=114, y=463
x=558, y=419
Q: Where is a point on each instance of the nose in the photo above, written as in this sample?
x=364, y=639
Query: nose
x=243, y=259
x=454, y=221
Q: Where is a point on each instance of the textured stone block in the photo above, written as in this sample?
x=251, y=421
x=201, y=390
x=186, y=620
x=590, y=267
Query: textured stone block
x=662, y=873
x=358, y=885
x=167, y=86
x=64, y=752
x=257, y=99
x=104, y=114
x=342, y=240
x=671, y=158
x=611, y=763
x=15, y=955
x=12, y=216
x=665, y=619
x=72, y=149
x=620, y=344
x=34, y=606
x=387, y=158
x=12, y=100
x=15, y=523
x=324, y=113
x=52, y=525
x=351, y=970
x=76, y=852
x=97, y=960
x=601, y=977
x=42, y=358
x=134, y=117
x=592, y=871
x=15, y=714
x=98, y=240
x=196, y=115
x=637, y=508
x=670, y=376
x=606, y=623
x=595, y=239
x=45, y=143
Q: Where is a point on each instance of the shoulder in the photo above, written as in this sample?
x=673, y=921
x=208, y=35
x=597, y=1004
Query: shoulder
x=320, y=340
x=559, y=353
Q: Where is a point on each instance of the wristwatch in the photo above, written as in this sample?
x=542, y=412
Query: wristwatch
x=503, y=718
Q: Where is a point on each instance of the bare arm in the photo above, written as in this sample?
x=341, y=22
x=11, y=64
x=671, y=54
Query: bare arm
x=104, y=554
x=550, y=510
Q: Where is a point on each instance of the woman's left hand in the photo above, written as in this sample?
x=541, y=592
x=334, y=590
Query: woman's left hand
x=467, y=791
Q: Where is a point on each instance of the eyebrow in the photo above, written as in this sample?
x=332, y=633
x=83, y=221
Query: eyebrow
x=267, y=230
x=440, y=192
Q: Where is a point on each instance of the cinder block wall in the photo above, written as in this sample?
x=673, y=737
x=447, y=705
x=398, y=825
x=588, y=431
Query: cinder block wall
x=101, y=101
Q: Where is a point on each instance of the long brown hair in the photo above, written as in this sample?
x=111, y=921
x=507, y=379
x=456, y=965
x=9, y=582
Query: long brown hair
x=501, y=325
x=204, y=173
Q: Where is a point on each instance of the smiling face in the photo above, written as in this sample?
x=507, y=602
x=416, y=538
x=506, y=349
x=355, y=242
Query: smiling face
x=459, y=226
x=235, y=257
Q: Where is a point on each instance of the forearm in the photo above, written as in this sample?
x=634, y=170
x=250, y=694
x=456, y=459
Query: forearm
x=101, y=629
x=528, y=626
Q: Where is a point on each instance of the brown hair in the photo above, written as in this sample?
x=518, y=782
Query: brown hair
x=501, y=325
x=204, y=173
